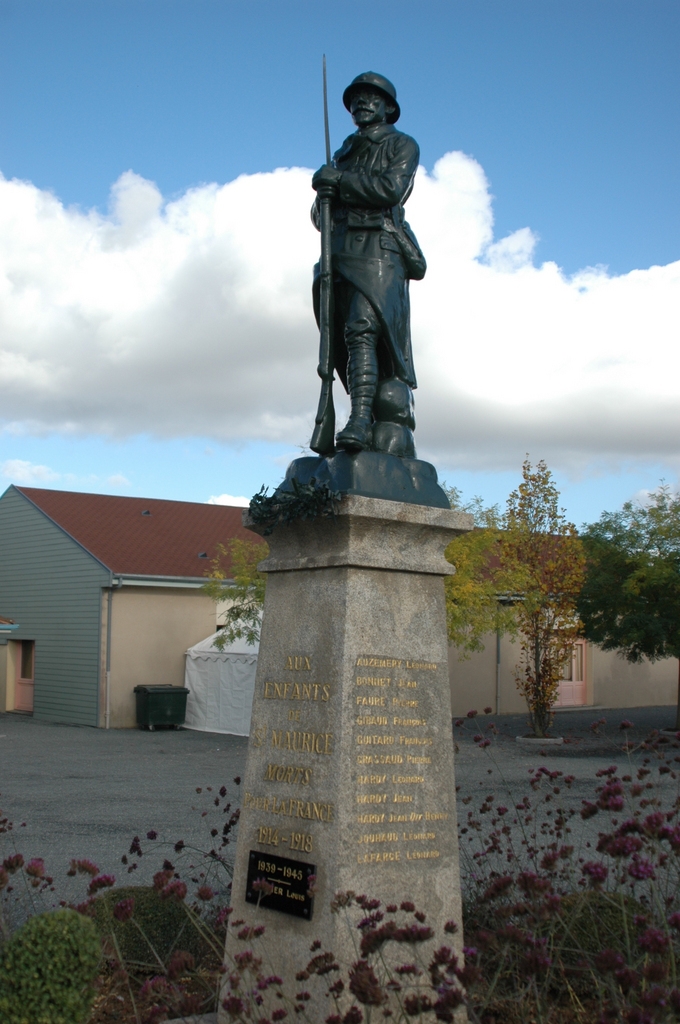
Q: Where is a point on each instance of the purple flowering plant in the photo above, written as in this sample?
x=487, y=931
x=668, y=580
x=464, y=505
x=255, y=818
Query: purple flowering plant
x=571, y=912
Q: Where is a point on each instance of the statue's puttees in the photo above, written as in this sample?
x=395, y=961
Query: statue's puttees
x=374, y=255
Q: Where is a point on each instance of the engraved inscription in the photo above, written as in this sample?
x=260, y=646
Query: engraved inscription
x=291, y=807
x=298, y=663
x=303, y=742
x=379, y=858
x=402, y=789
x=267, y=835
x=380, y=662
x=292, y=775
x=297, y=691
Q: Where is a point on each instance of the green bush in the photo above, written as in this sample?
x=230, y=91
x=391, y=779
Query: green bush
x=165, y=924
x=47, y=969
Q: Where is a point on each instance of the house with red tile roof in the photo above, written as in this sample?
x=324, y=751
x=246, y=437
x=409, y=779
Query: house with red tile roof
x=105, y=592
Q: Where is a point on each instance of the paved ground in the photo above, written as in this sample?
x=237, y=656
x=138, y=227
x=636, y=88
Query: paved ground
x=86, y=792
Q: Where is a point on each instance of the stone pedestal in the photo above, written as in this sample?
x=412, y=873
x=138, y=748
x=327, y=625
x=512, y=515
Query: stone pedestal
x=350, y=763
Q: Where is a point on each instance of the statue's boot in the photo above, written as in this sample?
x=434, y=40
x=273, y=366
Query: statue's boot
x=362, y=382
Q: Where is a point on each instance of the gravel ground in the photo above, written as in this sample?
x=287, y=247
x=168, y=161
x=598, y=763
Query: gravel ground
x=86, y=792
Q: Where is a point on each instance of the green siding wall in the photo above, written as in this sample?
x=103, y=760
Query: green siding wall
x=52, y=588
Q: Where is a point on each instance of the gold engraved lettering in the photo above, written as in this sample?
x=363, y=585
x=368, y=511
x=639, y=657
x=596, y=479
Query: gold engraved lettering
x=405, y=780
x=380, y=662
x=410, y=759
x=415, y=741
x=297, y=691
x=259, y=736
x=435, y=816
x=374, y=680
x=376, y=702
x=402, y=702
x=298, y=663
x=408, y=722
x=413, y=836
x=294, y=715
x=411, y=684
x=424, y=666
x=303, y=742
x=290, y=774
x=371, y=780
x=378, y=858
x=377, y=741
x=371, y=819
x=371, y=720
x=398, y=818
x=380, y=759
x=422, y=854
x=290, y=808
x=402, y=798
x=379, y=837
x=373, y=798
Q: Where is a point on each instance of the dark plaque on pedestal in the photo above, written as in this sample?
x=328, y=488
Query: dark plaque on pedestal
x=291, y=880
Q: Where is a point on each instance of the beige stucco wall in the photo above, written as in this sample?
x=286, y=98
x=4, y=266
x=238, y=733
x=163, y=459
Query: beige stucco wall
x=610, y=681
x=473, y=680
x=151, y=629
x=617, y=683
x=8, y=672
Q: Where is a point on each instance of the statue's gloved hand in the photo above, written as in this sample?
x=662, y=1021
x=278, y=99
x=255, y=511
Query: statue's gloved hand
x=326, y=180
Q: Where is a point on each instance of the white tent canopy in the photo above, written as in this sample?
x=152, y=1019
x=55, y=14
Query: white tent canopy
x=221, y=685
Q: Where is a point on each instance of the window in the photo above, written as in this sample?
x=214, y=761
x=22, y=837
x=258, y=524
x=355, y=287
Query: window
x=27, y=659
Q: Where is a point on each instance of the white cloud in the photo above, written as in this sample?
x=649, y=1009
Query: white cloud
x=118, y=480
x=193, y=317
x=229, y=499
x=21, y=472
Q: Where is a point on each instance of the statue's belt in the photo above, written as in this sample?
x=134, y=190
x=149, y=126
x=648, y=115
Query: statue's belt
x=365, y=219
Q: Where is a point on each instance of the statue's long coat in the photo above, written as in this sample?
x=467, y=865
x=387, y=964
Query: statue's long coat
x=378, y=166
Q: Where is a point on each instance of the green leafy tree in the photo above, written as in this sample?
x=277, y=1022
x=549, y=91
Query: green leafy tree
x=234, y=577
x=542, y=554
x=475, y=604
x=630, y=602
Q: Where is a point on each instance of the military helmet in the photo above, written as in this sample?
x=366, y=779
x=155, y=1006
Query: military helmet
x=380, y=84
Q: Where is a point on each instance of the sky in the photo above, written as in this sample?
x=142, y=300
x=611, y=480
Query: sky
x=156, y=331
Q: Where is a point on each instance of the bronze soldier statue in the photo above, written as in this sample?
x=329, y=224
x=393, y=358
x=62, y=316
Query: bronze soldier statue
x=374, y=255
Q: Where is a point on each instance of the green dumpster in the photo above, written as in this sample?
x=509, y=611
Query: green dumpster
x=161, y=705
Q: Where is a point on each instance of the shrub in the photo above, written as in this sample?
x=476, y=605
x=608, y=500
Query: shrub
x=47, y=969
x=156, y=924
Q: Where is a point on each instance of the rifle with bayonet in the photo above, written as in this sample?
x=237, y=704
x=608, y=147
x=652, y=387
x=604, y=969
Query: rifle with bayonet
x=323, y=437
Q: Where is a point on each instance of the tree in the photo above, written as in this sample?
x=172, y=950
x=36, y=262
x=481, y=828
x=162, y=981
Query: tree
x=630, y=602
x=474, y=607
x=233, y=576
x=542, y=554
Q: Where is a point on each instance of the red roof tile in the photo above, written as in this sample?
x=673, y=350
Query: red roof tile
x=165, y=543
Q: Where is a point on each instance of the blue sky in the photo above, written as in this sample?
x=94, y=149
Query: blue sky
x=569, y=109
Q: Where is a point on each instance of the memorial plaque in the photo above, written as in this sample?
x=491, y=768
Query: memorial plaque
x=290, y=879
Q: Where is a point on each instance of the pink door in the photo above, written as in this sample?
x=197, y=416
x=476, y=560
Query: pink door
x=572, y=692
x=23, y=693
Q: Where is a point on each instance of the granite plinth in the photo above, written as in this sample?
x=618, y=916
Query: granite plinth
x=350, y=761
x=373, y=474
